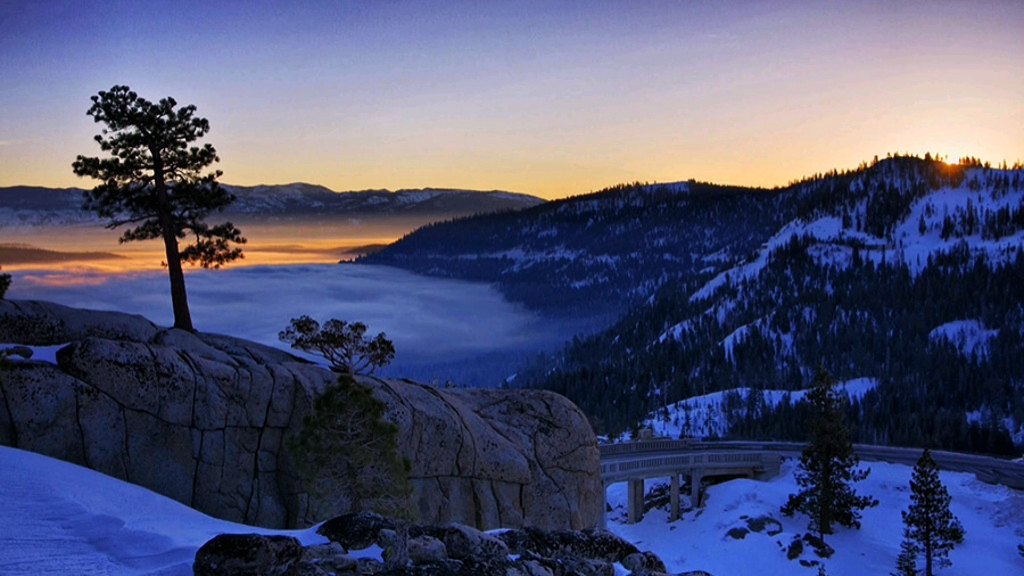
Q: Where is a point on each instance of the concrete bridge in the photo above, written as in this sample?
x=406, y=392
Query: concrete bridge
x=634, y=462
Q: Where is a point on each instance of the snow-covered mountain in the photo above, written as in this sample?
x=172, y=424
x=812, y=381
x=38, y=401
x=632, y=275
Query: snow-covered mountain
x=597, y=253
x=34, y=206
x=906, y=272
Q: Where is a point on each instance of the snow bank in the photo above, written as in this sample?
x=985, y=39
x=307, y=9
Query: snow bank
x=992, y=515
x=64, y=519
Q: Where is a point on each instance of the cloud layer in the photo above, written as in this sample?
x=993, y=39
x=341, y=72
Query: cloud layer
x=430, y=320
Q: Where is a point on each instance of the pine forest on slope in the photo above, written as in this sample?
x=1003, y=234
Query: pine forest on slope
x=906, y=271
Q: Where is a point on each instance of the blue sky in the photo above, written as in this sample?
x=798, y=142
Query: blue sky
x=549, y=98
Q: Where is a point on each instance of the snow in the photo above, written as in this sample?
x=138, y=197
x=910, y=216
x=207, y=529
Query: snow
x=707, y=415
x=992, y=515
x=969, y=336
x=42, y=353
x=64, y=519
x=675, y=332
x=834, y=243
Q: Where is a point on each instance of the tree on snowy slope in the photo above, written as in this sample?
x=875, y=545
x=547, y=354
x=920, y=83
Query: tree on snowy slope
x=931, y=528
x=906, y=562
x=828, y=465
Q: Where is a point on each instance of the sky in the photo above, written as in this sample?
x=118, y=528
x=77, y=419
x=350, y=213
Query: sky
x=546, y=98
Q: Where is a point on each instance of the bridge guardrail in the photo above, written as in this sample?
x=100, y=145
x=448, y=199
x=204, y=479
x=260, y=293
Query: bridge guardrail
x=669, y=463
x=989, y=469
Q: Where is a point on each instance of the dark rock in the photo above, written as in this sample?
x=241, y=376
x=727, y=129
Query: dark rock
x=590, y=543
x=487, y=565
x=369, y=566
x=355, y=531
x=579, y=566
x=821, y=548
x=427, y=549
x=432, y=568
x=737, y=533
x=643, y=563
x=463, y=542
x=304, y=568
x=247, y=555
x=534, y=567
x=330, y=558
x=795, y=549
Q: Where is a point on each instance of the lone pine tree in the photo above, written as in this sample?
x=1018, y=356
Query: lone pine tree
x=341, y=343
x=154, y=181
x=828, y=465
x=931, y=529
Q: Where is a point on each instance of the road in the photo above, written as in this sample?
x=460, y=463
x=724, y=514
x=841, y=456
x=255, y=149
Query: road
x=990, y=469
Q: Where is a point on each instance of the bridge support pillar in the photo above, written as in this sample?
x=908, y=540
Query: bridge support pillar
x=673, y=506
x=602, y=522
x=695, y=495
x=635, y=496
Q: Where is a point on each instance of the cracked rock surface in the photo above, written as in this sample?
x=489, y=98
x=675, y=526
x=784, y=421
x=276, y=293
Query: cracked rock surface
x=202, y=419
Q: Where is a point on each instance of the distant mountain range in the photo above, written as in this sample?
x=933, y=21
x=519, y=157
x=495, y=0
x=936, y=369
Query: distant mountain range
x=906, y=273
x=35, y=206
x=599, y=253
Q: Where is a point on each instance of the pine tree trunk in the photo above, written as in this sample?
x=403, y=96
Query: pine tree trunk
x=179, y=298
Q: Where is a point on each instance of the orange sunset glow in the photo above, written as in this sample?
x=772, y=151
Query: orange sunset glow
x=545, y=98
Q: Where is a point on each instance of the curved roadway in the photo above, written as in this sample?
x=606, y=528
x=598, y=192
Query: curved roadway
x=647, y=457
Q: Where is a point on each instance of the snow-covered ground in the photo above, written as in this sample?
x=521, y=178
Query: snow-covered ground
x=992, y=515
x=59, y=518
x=708, y=414
x=969, y=336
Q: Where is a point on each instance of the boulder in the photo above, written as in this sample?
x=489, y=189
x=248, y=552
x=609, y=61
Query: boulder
x=643, y=563
x=462, y=542
x=247, y=555
x=590, y=543
x=465, y=552
x=204, y=418
x=356, y=531
x=427, y=549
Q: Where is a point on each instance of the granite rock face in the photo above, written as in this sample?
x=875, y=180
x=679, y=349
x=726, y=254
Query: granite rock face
x=203, y=418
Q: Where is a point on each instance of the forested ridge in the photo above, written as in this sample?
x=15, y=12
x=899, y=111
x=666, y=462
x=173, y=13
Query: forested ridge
x=906, y=271
x=599, y=253
x=911, y=247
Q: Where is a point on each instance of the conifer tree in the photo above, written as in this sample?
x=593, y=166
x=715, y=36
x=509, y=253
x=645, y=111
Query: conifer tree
x=5, y=283
x=906, y=562
x=154, y=181
x=828, y=465
x=349, y=454
x=341, y=343
x=930, y=526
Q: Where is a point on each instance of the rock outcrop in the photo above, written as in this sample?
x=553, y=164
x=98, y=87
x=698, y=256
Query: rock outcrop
x=452, y=550
x=203, y=418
